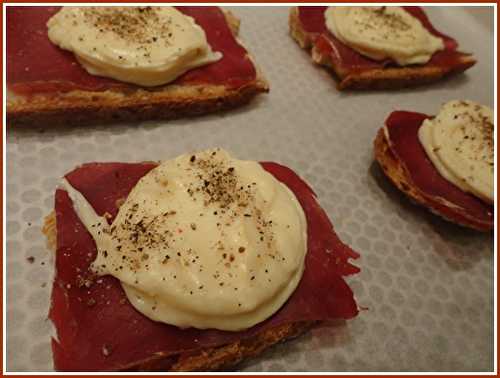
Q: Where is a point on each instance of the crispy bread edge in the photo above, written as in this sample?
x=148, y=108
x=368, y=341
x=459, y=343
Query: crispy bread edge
x=398, y=175
x=172, y=101
x=227, y=356
x=386, y=78
x=206, y=359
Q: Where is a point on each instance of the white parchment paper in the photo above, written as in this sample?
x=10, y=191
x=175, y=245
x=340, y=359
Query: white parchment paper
x=427, y=284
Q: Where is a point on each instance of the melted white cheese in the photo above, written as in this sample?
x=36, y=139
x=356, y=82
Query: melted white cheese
x=459, y=142
x=147, y=46
x=383, y=32
x=204, y=240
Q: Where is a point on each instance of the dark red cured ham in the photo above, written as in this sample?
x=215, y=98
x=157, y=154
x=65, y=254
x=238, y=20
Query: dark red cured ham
x=36, y=65
x=348, y=60
x=98, y=329
x=445, y=197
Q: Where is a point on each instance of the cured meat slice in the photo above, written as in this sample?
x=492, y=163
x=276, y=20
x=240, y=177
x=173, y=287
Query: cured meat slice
x=446, y=198
x=347, y=60
x=36, y=65
x=99, y=330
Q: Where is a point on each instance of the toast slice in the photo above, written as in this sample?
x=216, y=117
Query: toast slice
x=204, y=359
x=78, y=107
x=135, y=342
x=375, y=78
x=399, y=176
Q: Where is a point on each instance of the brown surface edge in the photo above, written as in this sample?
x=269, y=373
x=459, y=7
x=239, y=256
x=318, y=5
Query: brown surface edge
x=170, y=102
x=387, y=78
x=397, y=174
x=87, y=110
x=205, y=359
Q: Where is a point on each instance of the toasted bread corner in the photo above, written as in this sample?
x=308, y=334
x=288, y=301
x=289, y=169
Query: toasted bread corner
x=296, y=30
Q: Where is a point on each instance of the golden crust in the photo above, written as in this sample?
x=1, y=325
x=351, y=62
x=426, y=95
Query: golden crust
x=398, y=175
x=385, y=78
x=232, y=21
x=226, y=356
x=50, y=231
x=206, y=359
x=171, y=101
x=78, y=107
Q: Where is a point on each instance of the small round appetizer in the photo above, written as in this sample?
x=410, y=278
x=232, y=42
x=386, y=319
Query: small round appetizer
x=190, y=264
x=377, y=47
x=445, y=163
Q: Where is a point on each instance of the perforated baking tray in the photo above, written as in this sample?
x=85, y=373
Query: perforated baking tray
x=427, y=285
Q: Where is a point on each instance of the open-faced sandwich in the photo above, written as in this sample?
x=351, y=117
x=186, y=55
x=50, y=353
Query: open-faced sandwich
x=194, y=263
x=95, y=64
x=377, y=47
x=445, y=163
